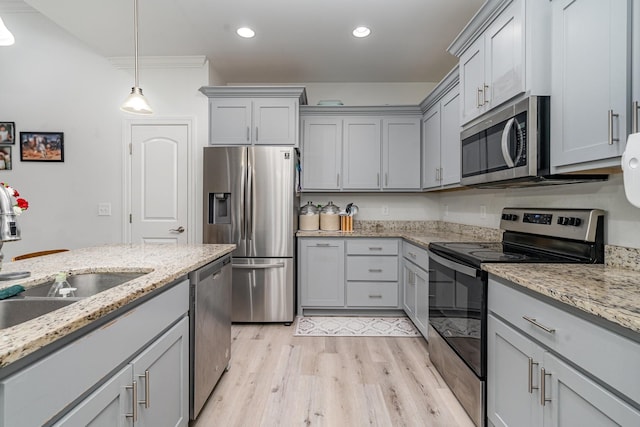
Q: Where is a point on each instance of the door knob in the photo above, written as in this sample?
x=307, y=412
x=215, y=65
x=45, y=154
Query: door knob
x=178, y=230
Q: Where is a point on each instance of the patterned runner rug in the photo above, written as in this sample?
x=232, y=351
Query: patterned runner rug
x=355, y=327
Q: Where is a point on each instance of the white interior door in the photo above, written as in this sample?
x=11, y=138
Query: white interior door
x=159, y=183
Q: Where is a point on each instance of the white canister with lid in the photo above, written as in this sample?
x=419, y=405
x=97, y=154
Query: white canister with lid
x=309, y=218
x=330, y=217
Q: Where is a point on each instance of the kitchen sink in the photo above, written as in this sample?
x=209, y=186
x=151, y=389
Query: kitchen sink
x=18, y=310
x=86, y=284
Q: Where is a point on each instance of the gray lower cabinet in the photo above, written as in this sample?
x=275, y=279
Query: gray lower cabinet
x=160, y=395
x=415, y=282
x=570, y=374
x=321, y=272
x=348, y=274
x=90, y=380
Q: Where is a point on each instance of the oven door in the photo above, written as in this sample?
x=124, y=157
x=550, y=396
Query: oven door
x=458, y=309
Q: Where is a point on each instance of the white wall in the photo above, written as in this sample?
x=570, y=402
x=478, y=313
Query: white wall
x=50, y=81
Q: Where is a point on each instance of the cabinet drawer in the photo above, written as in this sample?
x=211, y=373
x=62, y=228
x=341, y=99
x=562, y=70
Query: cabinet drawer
x=368, y=294
x=372, y=268
x=416, y=255
x=603, y=353
x=372, y=247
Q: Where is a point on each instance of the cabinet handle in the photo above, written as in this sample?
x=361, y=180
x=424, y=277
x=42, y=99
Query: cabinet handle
x=412, y=255
x=337, y=180
x=378, y=181
x=375, y=270
x=484, y=94
x=134, y=401
x=375, y=248
x=375, y=296
x=146, y=401
x=386, y=179
x=543, y=376
x=635, y=107
x=531, y=387
x=324, y=245
x=478, y=93
x=440, y=174
x=256, y=133
x=437, y=178
x=539, y=325
x=611, y=138
x=248, y=133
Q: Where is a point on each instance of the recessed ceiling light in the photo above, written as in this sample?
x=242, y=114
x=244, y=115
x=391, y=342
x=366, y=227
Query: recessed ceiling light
x=361, y=32
x=245, y=32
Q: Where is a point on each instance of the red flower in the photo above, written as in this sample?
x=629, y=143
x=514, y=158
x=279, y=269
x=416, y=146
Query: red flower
x=15, y=193
x=22, y=204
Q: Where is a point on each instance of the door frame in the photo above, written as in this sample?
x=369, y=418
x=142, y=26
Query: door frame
x=127, y=126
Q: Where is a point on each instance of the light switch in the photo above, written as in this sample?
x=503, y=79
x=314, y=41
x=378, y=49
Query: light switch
x=104, y=209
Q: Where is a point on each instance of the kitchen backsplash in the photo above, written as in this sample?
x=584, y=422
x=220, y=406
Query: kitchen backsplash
x=622, y=257
x=477, y=232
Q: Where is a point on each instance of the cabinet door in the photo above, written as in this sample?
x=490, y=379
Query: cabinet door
x=590, y=73
x=512, y=361
x=576, y=400
x=362, y=149
x=504, y=56
x=162, y=375
x=450, y=138
x=230, y=121
x=472, y=81
x=108, y=406
x=401, y=153
x=322, y=272
x=409, y=289
x=275, y=121
x=322, y=154
x=431, y=148
x=421, y=280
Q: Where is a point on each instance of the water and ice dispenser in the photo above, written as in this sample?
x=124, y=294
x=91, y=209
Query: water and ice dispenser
x=219, y=208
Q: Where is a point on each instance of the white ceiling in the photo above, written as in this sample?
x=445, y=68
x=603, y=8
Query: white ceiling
x=296, y=40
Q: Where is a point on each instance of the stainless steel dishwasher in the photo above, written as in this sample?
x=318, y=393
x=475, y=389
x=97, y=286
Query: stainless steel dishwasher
x=210, y=330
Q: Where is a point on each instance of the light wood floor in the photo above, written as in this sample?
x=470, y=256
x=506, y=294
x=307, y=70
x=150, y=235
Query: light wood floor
x=277, y=379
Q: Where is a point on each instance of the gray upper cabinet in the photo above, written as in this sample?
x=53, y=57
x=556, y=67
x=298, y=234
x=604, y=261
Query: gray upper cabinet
x=503, y=53
x=248, y=115
x=321, y=153
x=441, y=135
x=401, y=153
x=361, y=148
x=591, y=75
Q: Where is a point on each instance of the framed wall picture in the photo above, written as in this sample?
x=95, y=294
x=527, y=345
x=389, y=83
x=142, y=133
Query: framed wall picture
x=7, y=132
x=42, y=146
x=5, y=157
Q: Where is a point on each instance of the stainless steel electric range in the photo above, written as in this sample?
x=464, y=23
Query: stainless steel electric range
x=458, y=287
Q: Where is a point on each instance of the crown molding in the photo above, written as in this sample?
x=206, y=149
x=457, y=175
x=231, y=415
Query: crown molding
x=127, y=62
x=382, y=110
x=476, y=26
x=299, y=92
x=446, y=84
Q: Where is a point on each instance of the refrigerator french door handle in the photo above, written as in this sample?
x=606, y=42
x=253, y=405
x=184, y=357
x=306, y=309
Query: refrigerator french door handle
x=249, y=205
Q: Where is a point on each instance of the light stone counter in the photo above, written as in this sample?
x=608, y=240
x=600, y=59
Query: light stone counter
x=163, y=263
x=610, y=293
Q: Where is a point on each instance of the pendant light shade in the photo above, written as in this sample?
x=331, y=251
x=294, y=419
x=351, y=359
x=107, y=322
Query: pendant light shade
x=6, y=38
x=136, y=103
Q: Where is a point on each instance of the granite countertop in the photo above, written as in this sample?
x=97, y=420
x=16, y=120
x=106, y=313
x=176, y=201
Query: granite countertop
x=608, y=292
x=163, y=263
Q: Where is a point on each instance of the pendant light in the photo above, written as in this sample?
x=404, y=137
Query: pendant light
x=136, y=103
x=6, y=38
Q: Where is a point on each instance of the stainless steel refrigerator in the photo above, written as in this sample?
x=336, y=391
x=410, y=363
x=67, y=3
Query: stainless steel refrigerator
x=250, y=200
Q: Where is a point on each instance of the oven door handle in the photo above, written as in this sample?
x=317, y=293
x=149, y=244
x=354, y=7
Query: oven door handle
x=460, y=268
x=505, y=142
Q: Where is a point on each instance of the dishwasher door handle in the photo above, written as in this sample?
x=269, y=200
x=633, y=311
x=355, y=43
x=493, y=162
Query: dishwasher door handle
x=258, y=266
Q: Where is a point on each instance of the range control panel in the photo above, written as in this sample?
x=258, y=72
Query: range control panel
x=578, y=224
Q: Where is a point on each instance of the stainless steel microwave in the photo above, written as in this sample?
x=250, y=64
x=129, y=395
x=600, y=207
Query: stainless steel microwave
x=511, y=147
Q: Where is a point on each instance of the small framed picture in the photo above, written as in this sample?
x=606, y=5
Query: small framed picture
x=7, y=132
x=5, y=158
x=42, y=146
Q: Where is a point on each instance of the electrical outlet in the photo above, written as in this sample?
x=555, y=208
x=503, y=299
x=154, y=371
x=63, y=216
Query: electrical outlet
x=446, y=210
x=104, y=209
x=385, y=210
x=483, y=211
